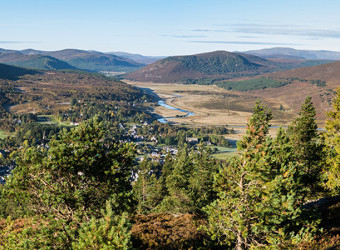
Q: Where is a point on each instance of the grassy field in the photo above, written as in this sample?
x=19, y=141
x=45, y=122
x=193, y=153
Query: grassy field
x=223, y=153
x=50, y=119
x=213, y=105
x=4, y=134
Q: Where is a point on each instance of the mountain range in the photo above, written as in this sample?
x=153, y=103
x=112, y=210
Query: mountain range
x=204, y=68
x=68, y=59
x=289, y=53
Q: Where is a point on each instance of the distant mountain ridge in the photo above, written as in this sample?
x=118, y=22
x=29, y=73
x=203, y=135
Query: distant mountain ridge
x=290, y=53
x=68, y=59
x=138, y=58
x=42, y=62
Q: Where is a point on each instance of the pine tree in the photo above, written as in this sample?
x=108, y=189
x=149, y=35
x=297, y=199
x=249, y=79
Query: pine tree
x=75, y=177
x=239, y=186
x=259, y=191
x=308, y=148
x=332, y=149
x=189, y=181
x=147, y=188
x=177, y=183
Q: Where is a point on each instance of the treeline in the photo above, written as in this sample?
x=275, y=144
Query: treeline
x=80, y=193
x=252, y=84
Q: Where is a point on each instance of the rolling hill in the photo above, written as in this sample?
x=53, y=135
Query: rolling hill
x=208, y=67
x=42, y=62
x=217, y=64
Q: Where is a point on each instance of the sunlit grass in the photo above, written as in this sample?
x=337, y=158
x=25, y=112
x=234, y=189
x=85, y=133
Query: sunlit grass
x=4, y=134
x=50, y=119
x=223, y=153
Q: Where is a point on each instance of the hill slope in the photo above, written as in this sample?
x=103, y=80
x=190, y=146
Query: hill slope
x=207, y=65
x=42, y=62
x=319, y=82
x=8, y=72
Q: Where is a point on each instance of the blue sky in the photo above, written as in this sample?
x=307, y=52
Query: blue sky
x=173, y=27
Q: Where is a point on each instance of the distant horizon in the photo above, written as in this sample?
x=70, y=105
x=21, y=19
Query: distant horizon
x=202, y=52
x=165, y=28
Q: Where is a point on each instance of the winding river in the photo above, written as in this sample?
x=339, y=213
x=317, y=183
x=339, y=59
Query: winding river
x=165, y=119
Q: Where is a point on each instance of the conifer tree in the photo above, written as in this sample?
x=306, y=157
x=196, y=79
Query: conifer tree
x=147, y=188
x=189, y=181
x=75, y=177
x=332, y=149
x=308, y=148
x=259, y=191
x=239, y=186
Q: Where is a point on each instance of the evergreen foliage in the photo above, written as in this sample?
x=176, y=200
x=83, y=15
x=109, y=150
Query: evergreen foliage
x=183, y=186
x=308, y=148
x=259, y=192
x=189, y=183
x=13, y=73
x=71, y=182
x=332, y=149
x=216, y=64
x=252, y=84
x=109, y=232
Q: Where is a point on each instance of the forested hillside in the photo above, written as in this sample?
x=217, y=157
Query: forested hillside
x=11, y=73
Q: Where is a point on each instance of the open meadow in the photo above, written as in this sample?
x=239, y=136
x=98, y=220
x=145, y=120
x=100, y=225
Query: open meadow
x=213, y=105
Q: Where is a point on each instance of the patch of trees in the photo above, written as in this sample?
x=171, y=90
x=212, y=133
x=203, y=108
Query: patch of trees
x=252, y=84
x=215, y=65
x=318, y=83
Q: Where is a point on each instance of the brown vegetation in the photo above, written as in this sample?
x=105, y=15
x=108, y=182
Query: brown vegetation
x=166, y=231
